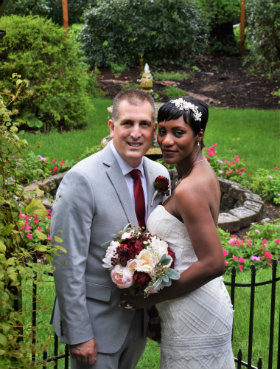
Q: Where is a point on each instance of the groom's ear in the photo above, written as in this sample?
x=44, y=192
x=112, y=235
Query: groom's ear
x=111, y=127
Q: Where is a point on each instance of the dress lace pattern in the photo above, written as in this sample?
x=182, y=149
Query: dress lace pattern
x=196, y=328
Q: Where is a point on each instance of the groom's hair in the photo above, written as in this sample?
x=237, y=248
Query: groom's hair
x=134, y=97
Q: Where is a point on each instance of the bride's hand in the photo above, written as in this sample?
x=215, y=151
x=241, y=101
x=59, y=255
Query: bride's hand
x=135, y=302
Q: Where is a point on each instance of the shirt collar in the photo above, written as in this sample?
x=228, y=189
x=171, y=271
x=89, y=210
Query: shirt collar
x=125, y=167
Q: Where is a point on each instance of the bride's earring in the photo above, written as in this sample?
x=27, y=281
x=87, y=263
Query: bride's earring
x=197, y=143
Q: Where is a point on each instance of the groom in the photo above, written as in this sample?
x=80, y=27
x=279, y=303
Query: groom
x=95, y=200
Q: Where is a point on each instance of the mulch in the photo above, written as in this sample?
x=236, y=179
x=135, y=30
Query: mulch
x=222, y=81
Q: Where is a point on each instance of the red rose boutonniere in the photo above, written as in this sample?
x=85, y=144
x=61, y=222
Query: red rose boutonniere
x=161, y=185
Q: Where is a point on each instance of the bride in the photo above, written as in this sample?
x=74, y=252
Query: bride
x=196, y=312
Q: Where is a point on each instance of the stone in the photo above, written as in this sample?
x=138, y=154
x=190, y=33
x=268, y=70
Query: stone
x=253, y=205
x=224, y=184
x=246, y=216
x=248, y=195
x=228, y=222
x=31, y=187
x=227, y=201
x=47, y=203
x=236, y=191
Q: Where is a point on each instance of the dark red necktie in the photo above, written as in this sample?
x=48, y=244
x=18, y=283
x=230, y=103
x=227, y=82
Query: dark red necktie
x=138, y=197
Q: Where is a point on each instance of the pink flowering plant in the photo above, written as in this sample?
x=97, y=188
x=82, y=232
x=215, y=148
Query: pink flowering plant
x=230, y=169
x=26, y=167
x=35, y=231
x=264, y=182
x=259, y=246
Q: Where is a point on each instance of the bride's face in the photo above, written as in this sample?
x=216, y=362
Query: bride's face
x=176, y=140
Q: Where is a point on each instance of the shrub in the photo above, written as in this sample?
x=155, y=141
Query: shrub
x=263, y=34
x=38, y=50
x=162, y=31
x=267, y=184
x=173, y=91
x=20, y=244
x=49, y=8
x=259, y=246
x=221, y=15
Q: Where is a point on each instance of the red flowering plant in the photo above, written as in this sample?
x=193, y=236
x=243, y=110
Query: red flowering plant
x=140, y=262
x=259, y=246
x=34, y=229
x=161, y=185
x=233, y=170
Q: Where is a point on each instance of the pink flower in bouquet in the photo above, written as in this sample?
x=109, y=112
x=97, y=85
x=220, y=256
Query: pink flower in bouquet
x=122, y=276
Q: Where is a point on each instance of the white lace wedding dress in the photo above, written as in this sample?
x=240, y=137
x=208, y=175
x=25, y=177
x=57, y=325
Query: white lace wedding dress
x=196, y=328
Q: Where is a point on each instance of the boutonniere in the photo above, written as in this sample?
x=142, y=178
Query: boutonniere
x=161, y=185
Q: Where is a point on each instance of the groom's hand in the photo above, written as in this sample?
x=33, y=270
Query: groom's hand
x=85, y=352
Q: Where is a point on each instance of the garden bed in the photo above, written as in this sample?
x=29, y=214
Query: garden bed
x=224, y=80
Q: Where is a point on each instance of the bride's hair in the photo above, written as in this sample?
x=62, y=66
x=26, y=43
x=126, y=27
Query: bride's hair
x=193, y=111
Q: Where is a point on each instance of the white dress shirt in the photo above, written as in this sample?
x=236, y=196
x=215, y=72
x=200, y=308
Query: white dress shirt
x=126, y=169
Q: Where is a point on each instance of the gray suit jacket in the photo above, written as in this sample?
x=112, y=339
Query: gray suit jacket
x=92, y=204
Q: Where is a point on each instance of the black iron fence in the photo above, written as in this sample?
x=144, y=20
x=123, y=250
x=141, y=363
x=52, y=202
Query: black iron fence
x=62, y=359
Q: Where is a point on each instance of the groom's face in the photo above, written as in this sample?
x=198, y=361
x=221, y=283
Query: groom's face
x=133, y=132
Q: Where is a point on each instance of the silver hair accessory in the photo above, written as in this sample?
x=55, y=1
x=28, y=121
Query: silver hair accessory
x=181, y=104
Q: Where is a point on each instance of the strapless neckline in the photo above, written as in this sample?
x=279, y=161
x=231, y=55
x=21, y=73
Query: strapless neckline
x=171, y=215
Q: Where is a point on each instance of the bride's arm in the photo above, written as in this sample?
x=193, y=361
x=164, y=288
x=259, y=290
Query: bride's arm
x=195, y=211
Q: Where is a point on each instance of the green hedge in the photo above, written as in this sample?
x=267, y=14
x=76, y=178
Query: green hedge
x=49, y=8
x=263, y=34
x=39, y=51
x=163, y=31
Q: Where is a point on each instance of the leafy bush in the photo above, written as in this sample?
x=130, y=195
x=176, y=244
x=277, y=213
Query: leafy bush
x=221, y=15
x=263, y=34
x=173, y=91
x=162, y=31
x=259, y=246
x=49, y=8
x=117, y=69
x=38, y=50
x=267, y=184
x=20, y=244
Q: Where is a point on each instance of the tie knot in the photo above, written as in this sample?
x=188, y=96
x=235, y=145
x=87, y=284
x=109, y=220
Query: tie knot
x=135, y=174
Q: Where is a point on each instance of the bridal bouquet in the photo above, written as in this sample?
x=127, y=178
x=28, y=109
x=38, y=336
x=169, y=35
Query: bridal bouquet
x=140, y=261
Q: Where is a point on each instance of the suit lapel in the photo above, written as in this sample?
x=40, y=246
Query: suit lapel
x=150, y=184
x=118, y=182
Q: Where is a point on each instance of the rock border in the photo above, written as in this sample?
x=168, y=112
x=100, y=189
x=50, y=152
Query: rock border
x=239, y=206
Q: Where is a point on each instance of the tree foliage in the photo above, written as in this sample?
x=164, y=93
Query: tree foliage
x=263, y=34
x=49, y=8
x=38, y=51
x=221, y=15
x=164, y=31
